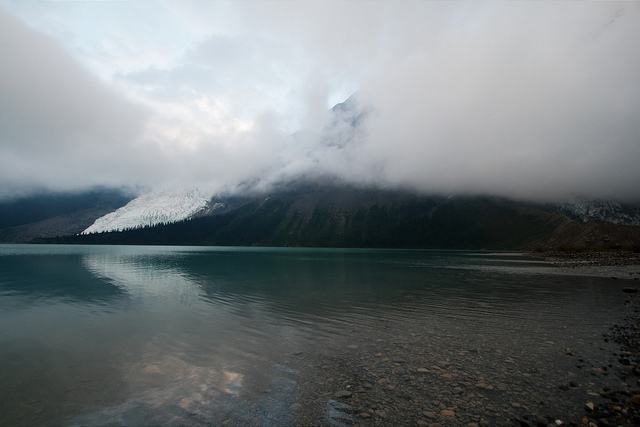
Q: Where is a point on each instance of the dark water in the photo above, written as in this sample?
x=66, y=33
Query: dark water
x=143, y=335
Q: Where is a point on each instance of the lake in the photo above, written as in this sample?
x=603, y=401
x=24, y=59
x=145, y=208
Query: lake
x=133, y=335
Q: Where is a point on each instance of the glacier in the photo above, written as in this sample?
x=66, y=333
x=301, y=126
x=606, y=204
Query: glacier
x=161, y=207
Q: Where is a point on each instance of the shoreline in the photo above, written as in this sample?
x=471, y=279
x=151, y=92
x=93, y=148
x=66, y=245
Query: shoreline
x=619, y=401
x=401, y=373
x=386, y=379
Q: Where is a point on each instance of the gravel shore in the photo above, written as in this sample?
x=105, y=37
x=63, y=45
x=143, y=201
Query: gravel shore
x=437, y=374
x=617, y=264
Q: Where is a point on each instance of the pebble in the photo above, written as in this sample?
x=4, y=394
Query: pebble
x=342, y=393
x=407, y=384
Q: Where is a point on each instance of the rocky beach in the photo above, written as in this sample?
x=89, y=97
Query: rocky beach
x=453, y=372
x=614, y=264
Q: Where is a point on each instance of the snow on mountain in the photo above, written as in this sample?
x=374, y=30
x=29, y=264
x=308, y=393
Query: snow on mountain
x=598, y=210
x=151, y=209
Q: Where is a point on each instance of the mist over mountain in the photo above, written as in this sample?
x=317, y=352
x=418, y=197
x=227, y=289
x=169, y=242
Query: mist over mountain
x=302, y=203
x=434, y=147
x=525, y=100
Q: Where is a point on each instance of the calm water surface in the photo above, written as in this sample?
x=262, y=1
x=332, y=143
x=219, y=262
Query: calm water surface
x=135, y=335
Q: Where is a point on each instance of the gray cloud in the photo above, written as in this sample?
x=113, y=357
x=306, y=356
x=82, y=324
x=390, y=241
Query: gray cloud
x=60, y=127
x=542, y=102
x=528, y=100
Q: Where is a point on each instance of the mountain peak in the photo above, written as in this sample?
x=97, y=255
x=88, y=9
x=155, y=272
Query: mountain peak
x=346, y=122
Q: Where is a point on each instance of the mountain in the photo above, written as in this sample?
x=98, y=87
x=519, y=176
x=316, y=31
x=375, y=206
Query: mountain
x=47, y=215
x=162, y=207
x=333, y=214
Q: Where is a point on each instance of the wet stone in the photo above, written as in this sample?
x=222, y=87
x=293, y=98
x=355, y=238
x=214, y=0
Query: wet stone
x=429, y=414
x=342, y=394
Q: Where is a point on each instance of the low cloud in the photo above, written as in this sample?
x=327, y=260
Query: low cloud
x=524, y=100
x=60, y=127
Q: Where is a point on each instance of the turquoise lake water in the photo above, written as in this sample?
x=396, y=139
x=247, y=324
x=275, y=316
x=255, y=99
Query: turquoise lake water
x=131, y=335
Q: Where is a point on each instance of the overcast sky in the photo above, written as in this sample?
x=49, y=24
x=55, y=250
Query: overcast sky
x=520, y=99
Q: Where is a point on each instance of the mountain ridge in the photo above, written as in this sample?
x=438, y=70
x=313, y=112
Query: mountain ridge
x=343, y=215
